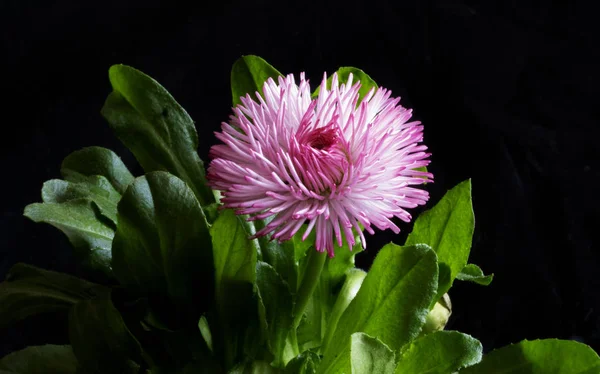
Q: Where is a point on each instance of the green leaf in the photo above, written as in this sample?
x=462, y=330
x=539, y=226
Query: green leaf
x=448, y=229
x=100, y=339
x=440, y=352
x=248, y=75
x=97, y=188
x=539, y=357
x=422, y=169
x=314, y=325
x=179, y=351
x=285, y=257
x=204, y=328
x=84, y=206
x=211, y=212
x=165, y=350
x=43, y=359
x=302, y=246
x=235, y=259
x=363, y=355
x=275, y=305
x=92, y=161
x=254, y=367
x=199, y=367
x=79, y=220
x=305, y=363
x=336, y=267
x=162, y=245
x=399, y=287
x=158, y=131
x=473, y=273
x=281, y=256
x=366, y=82
x=354, y=279
x=28, y=291
x=370, y=356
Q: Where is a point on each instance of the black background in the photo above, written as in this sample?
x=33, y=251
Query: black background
x=507, y=93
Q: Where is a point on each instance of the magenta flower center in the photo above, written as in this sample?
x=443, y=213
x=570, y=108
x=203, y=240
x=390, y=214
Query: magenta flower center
x=318, y=156
x=322, y=138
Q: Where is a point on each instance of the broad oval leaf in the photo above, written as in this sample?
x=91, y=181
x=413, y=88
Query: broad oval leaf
x=76, y=218
x=306, y=362
x=440, y=352
x=97, y=188
x=43, y=359
x=235, y=257
x=162, y=244
x=473, y=273
x=248, y=75
x=337, y=267
x=369, y=355
x=283, y=257
x=448, y=229
x=157, y=130
x=363, y=355
x=199, y=367
x=81, y=221
x=28, y=291
x=343, y=73
x=100, y=339
x=254, y=367
x=92, y=161
x=314, y=326
x=275, y=308
x=366, y=82
x=301, y=247
x=394, y=298
x=354, y=279
x=168, y=351
x=539, y=357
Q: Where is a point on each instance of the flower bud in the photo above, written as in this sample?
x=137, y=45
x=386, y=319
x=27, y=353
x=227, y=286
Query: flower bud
x=438, y=316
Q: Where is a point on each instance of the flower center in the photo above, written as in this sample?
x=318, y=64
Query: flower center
x=322, y=138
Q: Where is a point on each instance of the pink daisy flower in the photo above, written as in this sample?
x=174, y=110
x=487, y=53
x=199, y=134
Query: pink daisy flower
x=333, y=162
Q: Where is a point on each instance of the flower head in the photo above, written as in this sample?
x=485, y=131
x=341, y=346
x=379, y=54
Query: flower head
x=334, y=162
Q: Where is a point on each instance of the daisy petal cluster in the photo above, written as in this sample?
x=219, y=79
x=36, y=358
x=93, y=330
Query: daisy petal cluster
x=335, y=162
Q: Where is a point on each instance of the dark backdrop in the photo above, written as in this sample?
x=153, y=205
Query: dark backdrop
x=507, y=92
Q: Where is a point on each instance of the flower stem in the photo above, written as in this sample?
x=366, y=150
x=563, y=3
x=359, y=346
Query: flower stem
x=293, y=340
x=316, y=261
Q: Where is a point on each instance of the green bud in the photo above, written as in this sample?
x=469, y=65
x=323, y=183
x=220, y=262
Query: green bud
x=438, y=316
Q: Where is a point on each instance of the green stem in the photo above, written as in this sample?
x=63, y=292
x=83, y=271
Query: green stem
x=316, y=261
x=293, y=338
